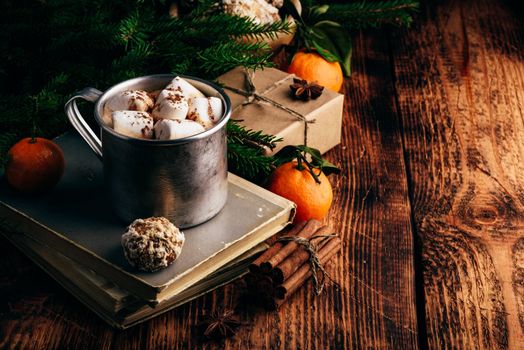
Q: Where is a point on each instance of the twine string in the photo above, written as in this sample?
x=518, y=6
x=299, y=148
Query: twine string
x=314, y=260
x=251, y=94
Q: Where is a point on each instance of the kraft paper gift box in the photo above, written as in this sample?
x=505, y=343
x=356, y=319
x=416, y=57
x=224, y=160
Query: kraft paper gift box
x=324, y=114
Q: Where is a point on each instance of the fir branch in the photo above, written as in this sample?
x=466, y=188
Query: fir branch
x=182, y=66
x=198, y=8
x=49, y=99
x=219, y=27
x=56, y=83
x=365, y=14
x=239, y=134
x=246, y=151
x=136, y=56
x=202, y=45
x=245, y=27
x=248, y=162
x=228, y=55
x=130, y=30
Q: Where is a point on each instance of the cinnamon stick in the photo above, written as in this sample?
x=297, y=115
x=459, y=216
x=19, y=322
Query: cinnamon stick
x=280, y=292
x=307, y=231
x=304, y=272
x=255, y=265
x=293, y=262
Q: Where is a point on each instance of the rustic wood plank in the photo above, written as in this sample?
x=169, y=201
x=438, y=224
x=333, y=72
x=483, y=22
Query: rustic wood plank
x=374, y=209
x=35, y=312
x=460, y=80
x=375, y=304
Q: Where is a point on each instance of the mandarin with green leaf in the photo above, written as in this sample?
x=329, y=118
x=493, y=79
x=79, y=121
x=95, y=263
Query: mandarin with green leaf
x=312, y=196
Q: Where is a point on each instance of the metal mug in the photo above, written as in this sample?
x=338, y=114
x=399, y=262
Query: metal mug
x=184, y=180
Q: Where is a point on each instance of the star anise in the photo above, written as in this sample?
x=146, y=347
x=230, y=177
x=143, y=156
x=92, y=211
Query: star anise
x=220, y=323
x=303, y=90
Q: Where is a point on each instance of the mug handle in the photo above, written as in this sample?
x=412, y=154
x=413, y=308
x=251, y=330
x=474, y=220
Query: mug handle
x=75, y=118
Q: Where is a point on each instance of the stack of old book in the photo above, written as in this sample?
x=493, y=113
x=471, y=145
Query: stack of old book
x=72, y=234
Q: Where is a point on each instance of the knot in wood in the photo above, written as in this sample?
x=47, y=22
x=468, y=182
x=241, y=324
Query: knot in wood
x=488, y=210
x=485, y=214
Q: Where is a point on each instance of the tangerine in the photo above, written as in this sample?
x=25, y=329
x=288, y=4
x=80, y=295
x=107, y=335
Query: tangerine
x=313, y=199
x=34, y=165
x=313, y=67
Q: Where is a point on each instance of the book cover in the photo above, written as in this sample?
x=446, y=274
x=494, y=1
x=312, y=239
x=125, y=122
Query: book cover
x=76, y=219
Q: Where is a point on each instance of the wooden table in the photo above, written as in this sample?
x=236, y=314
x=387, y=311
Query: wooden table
x=430, y=208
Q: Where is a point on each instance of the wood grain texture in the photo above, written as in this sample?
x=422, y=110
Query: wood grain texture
x=460, y=81
x=375, y=304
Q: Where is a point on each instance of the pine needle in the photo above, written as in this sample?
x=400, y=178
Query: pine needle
x=364, y=14
x=239, y=134
x=50, y=49
x=248, y=162
x=228, y=55
x=247, y=151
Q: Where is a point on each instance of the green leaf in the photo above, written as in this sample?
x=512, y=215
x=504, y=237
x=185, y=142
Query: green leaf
x=285, y=155
x=315, y=12
x=332, y=37
x=313, y=152
x=325, y=52
x=290, y=8
x=329, y=168
x=290, y=153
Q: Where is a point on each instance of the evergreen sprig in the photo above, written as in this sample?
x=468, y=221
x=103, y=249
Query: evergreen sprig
x=203, y=45
x=130, y=30
x=248, y=162
x=232, y=54
x=239, y=134
x=244, y=27
x=218, y=27
x=365, y=14
x=49, y=50
x=247, y=151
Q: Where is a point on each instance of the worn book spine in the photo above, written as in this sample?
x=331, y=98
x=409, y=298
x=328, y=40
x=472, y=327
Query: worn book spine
x=25, y=225
x=115, y=306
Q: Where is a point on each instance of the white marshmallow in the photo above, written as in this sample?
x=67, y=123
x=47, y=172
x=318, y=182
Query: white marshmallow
x=184, y=87
x=205, y=110
x=171, y=94
x=170, y=105
x=130, y=100
x=167, y=129
x=133, y=124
